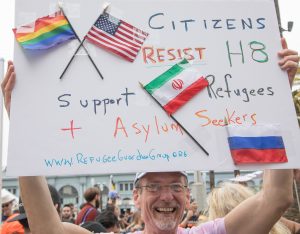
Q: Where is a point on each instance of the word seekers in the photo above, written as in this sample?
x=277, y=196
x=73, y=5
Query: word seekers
x=65, y=100
x=215, y=92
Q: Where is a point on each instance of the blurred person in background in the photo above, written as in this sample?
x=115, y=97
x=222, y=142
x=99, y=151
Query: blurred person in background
x=21, y=218
x=90, y=209
x=191, y=216
x=137, y=223
x=10, y=226
x=93, y=226
x=225, y=198
x=66, y=214
x=7, y=199
x=18, y=223
x=73, y=210
x=109, y=220
x=113, y=196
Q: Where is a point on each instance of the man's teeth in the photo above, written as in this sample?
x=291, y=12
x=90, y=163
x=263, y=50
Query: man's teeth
x=165, y=209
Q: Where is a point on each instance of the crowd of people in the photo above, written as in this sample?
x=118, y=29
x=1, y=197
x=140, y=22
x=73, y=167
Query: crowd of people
x=90, y=216
x=162, y=199
x=221, y=201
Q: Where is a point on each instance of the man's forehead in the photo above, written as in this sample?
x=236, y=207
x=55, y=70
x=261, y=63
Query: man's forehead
x=163, y=176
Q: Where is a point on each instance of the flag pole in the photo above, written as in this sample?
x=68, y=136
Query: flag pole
x=66, y=68
x=81, y=44
x=175, y=120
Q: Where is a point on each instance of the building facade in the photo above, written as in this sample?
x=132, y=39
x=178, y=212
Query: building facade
x=71, y=188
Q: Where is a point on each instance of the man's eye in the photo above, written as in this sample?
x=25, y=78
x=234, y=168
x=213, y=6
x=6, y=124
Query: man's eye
x=153, y=186
x=176, y=187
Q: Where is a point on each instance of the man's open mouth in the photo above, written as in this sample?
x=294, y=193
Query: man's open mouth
x=165, y=209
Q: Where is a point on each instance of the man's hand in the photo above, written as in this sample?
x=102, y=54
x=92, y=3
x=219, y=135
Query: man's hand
x=8, y=85
x=289, y=60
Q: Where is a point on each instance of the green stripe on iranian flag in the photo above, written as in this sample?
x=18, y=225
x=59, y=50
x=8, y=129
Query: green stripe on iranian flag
x=176, y=86
x=166, y=76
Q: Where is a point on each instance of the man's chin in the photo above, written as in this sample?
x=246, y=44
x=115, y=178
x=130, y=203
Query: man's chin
x=165, y=222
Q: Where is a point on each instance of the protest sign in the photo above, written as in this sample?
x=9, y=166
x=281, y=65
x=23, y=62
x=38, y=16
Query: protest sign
x=83, y=124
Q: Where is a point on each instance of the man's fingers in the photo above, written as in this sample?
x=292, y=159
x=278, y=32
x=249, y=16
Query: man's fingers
x=294, y=58
x=287, y=52
x=7, y=90
x=289, y=65
x=284, y=43
x=7, y=85
x=9, y=63
x=10, y=70
x=10, y=84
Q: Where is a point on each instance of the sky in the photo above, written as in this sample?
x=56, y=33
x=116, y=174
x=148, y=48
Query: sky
x=289, y=11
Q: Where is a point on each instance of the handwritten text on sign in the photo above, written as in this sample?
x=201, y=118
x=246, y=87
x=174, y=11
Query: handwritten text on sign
x=112, y=125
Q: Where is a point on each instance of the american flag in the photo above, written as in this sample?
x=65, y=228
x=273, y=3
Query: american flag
x=117, y=36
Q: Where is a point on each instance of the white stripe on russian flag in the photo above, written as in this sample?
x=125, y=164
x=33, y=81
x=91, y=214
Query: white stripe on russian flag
x=254, y=130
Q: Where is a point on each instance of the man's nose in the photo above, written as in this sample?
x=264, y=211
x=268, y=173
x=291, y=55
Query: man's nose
x=166, y=193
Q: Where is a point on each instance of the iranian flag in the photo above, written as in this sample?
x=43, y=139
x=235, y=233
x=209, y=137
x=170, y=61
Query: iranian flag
x=176, y=86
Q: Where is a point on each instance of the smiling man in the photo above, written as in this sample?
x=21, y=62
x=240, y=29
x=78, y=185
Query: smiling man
x=162, y=198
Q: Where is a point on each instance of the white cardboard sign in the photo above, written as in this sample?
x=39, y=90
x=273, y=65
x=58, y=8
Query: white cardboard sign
x=83, y=124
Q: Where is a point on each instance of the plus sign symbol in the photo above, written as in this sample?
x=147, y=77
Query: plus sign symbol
x=71, y=128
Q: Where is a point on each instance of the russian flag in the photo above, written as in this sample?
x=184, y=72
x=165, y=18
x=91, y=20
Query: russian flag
x=256, y=144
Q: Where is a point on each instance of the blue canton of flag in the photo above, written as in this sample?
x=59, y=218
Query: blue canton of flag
x=109, y=25
x=117, y=36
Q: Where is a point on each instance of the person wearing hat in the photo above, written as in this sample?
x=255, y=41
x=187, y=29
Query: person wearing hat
x=163, y=196
x=18, y=223
x=112, y=197
x=20, y=218
x=7, y=199
x=11, y=225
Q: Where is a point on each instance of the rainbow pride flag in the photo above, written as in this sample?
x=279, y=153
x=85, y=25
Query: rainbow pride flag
x=45, y=32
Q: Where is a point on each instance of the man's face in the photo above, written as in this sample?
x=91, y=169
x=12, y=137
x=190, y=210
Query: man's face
x=161, y=210
x=66, y=212
x=7, y=208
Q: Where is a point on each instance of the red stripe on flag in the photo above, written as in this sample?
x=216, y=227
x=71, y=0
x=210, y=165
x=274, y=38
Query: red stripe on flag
x=131, y=45
x=129, y=38
x=109, y=49
x=185, y=95
x=137, y=45
x=100, y=36
x=39, y=24
x=134, y=28
x=108, y=44
x=246, y=156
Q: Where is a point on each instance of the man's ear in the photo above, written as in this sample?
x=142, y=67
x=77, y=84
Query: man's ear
x=136, y=198
x=188, y=197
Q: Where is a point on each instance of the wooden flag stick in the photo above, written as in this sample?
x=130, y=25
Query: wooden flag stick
x=81, y=44
x=175, y=120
